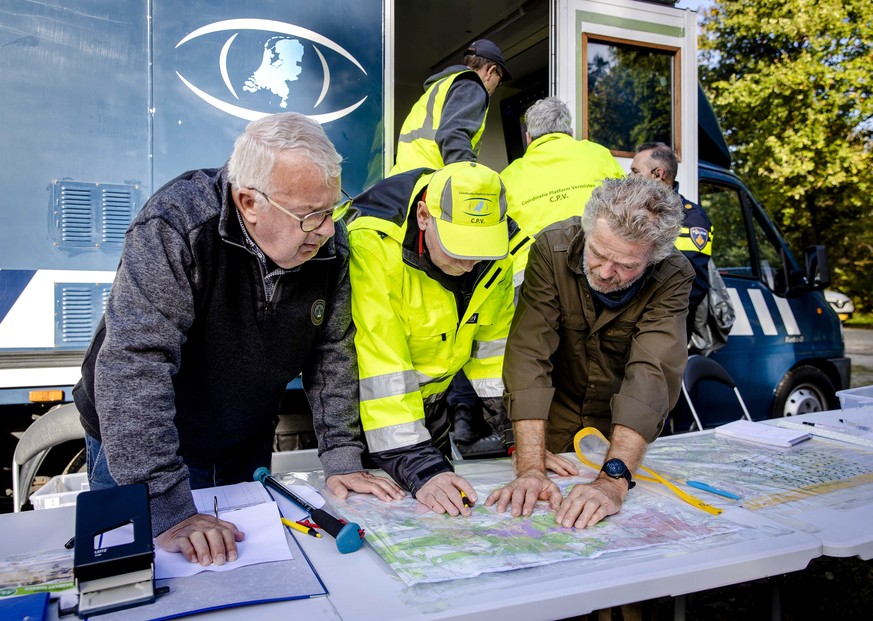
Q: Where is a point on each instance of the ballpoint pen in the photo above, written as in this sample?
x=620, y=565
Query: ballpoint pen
x=215, y=506
x=842, y=429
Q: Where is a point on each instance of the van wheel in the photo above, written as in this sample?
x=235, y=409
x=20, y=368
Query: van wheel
x=803, y=390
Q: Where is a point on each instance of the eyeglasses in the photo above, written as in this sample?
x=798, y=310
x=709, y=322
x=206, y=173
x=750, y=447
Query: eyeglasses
x=499, y=76
x=312, y=221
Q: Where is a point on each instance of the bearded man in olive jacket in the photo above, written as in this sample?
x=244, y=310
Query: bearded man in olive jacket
x=598, y=340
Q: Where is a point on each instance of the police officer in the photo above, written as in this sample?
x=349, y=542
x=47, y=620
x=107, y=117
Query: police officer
x=655, y=160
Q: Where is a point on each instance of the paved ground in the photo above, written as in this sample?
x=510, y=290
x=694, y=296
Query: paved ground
x=859, y=347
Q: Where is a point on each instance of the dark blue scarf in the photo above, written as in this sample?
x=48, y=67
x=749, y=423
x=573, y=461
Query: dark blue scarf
x=619, y=298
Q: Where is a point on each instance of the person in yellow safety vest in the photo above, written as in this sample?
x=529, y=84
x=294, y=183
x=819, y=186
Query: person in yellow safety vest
x=655, y=160
x=446, y=124
x=555, y=177
x=431, y=275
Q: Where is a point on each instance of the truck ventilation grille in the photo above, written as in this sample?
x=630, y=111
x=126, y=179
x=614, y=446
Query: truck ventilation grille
x=78, y=309
x=92, y=214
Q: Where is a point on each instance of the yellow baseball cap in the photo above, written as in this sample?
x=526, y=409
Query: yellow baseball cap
x=468, y=203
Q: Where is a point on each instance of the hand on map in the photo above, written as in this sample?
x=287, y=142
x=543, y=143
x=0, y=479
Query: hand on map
x=202, y=539
x=560, y=465
x=524, y=492
x=587, y=504
x=442, y=494
x=557, y=464
x=364, y=483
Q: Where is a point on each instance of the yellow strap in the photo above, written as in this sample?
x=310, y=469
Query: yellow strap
x=653, y=476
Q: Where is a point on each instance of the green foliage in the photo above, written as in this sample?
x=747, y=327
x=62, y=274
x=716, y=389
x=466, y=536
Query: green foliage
x=860, y=320
x=792, y=84
x=629, y=96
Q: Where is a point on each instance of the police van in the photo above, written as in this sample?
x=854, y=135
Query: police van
x=107, y=100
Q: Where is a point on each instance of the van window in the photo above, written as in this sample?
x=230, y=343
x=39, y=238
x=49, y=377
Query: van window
x=628, y=94
x=730, y=245
x=769, y=256
x=731, y=250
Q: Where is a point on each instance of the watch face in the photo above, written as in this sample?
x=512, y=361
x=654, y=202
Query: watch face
x=615, y=468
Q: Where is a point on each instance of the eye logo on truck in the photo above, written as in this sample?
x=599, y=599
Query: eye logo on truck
x=268, y=66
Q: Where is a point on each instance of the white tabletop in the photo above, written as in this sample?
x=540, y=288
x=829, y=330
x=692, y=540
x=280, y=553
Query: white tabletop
x=843, y=531
x=363, y=587
x=842, y=523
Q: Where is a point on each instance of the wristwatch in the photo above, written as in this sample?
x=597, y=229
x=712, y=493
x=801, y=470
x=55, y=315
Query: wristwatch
x=617, y=469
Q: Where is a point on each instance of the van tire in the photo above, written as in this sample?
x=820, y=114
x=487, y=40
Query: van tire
x=803, y=390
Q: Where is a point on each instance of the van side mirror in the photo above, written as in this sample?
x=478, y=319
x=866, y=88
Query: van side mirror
x=818, y=272
x=815, y=274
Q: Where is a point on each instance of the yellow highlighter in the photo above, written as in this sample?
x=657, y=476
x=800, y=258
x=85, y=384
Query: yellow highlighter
x=300, y=527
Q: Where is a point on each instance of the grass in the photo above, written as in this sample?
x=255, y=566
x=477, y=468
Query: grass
x=860, y=320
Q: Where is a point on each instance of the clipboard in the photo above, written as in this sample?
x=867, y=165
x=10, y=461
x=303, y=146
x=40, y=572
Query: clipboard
x=249, y=585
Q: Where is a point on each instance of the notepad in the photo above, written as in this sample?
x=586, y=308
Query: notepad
x=763, y=434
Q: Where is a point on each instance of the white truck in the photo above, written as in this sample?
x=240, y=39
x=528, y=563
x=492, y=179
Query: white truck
x=106, y=100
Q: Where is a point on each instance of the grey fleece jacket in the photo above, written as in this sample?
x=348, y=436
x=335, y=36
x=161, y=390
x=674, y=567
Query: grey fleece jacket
x=191, y=360
x=463, y=114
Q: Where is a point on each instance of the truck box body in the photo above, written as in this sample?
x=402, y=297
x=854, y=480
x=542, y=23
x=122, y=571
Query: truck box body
x=106, y=101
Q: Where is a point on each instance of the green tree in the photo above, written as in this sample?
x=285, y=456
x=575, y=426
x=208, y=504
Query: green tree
x=792, y=84
x=629, y=96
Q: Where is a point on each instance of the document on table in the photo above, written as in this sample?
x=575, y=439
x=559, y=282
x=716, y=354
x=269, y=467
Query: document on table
x=763, y=434
x=255, y=579
x=253, y=511
x=230, y=497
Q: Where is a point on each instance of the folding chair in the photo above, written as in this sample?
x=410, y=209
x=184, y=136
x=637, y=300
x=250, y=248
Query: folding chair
x=56, y=426
x=701, y=368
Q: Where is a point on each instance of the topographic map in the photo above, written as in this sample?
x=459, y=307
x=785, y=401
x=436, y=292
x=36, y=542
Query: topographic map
x=776, y=480
x=422, y=546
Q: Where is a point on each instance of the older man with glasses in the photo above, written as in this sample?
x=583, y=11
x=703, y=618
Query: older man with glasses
x=220, y=300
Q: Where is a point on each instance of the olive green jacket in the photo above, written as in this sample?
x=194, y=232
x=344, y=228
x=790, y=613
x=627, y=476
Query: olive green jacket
x=567, y=364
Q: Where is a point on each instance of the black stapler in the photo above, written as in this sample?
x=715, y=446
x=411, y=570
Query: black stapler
x=114, y=559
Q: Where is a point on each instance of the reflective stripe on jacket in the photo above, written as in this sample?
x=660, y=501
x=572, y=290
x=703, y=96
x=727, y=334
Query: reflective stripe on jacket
x=417, y=144
x=695, y=242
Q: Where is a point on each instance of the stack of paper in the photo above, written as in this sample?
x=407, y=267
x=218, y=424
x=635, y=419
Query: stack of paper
x=763, y=434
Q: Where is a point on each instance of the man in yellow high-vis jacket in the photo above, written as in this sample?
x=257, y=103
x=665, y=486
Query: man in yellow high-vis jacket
x=555, y=177
x=446, y=124
x=431, y=274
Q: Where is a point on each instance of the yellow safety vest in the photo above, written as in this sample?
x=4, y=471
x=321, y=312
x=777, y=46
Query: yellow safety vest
x=552, y=182
x=416, y=146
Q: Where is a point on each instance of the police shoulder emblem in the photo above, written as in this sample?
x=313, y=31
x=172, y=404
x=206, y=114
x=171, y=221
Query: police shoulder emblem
x=316, y=313
x=699, y=237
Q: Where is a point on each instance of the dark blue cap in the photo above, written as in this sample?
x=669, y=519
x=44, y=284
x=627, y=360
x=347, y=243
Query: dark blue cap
x=487, y=49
